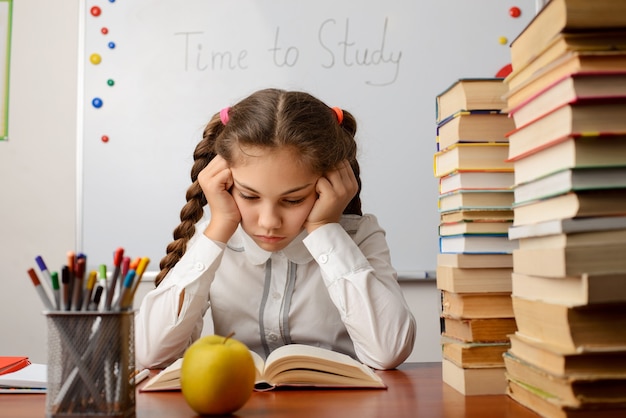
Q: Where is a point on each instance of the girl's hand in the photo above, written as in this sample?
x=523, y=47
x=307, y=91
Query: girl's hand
x=216, y=181
x=335, y=190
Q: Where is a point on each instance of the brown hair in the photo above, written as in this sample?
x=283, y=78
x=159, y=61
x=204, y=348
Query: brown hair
x=268, y=118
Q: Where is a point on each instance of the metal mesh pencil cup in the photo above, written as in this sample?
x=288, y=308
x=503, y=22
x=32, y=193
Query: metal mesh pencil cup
x=91, y=358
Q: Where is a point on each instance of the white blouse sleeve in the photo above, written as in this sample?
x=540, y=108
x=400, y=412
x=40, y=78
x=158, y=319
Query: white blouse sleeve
x=356, y=267
x=161, y=333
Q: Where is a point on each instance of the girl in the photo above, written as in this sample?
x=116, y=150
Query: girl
x=273, y=240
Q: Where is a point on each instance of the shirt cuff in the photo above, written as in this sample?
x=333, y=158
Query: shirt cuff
x=201, y=256
x=336, y=253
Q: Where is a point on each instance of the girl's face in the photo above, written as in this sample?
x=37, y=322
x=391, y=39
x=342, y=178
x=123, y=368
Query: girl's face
x=275, y=195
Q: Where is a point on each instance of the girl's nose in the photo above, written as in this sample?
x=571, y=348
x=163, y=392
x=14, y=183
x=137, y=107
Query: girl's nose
x=269, y=218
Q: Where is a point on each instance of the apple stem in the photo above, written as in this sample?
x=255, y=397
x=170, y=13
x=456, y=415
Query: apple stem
x=228, y=336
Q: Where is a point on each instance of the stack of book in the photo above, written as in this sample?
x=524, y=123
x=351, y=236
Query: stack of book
x=567, y=97
x=474, y=262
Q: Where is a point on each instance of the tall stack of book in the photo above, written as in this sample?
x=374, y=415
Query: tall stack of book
x=474, y=262
x=567, y=97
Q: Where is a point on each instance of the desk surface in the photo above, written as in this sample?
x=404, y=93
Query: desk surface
x=414, y=390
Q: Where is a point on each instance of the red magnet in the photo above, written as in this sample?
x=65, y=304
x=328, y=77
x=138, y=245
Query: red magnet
x=95, y=11
x=515, y=11
x=504, y=71
x=104, y=31
x=104, y=139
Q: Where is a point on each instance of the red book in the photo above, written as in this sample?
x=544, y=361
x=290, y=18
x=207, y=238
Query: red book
x=12, y=364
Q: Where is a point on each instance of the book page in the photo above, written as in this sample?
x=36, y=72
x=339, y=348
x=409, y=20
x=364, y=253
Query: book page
x=299, y=356
x=32, y=376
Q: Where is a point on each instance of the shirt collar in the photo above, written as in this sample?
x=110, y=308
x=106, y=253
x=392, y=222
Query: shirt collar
x=295, y=251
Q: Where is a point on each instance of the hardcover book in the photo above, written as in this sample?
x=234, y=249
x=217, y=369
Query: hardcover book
x=474, y=126
x=580, y=118
x=563, y=16
x=470, y=94
x=567, y=390
x=476, y=305
x=472, y=156
x=572, y=329
x=580, y=290
x=587, y=203
x=475, y=260
x=571, y=179
x=291, y=365
x=522, y=88
x=579, y=87
x=553, y=360
x=591, y=151
x=474, y=280
x=474, y=354
x=476, y=199
x=479, y=329
x=474, y=381
x=476, y=180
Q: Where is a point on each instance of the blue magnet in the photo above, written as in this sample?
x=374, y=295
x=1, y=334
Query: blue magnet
x=97, y=102
x=111, y=45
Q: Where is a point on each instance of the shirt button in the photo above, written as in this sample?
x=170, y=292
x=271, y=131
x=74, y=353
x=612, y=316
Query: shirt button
x=276, y=295
x=323, y=258
x=272, y=337
x=199, y=266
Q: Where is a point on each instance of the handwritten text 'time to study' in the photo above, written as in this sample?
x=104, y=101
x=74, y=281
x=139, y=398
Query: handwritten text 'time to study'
x=336, y=46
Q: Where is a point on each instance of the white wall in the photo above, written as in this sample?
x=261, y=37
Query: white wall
x=38, y=178
x=37, y=165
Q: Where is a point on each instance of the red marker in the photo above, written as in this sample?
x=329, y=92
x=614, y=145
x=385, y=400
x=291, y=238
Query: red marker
x=79, y=276
x=125, y=266
x=42, y=293
x=117, y=264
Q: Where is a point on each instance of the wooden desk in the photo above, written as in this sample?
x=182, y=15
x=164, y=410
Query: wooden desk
x=415, y=390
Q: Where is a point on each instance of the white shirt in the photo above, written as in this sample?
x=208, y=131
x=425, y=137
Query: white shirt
x=333, y=288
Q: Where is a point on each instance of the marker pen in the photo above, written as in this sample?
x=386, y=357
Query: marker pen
x=65, y=283
x=47, y=282
x=56, y=290
x=42, y=293
x=117, y=262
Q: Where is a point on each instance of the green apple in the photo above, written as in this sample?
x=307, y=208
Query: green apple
x=217, y=375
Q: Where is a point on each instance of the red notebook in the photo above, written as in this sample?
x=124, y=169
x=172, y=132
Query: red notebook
x=12, y=364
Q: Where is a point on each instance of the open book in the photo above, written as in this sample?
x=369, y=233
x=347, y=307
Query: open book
x=32, y=378
x=291, y=365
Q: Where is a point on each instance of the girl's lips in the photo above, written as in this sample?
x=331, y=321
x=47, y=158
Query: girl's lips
x=269, y=239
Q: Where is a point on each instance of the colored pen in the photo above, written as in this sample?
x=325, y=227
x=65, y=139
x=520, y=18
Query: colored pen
x=56, y=290
x=117, y=262
x=79, y=276
x=125, y=268
x=66, y=284
x=135, y=263
x=102, y=278
x=141, y=268
x=93, y=305
x=42, y=293
x=47, y=283
x=91, y=283
x=71, y=266
x=140, y=376
x=123, y=300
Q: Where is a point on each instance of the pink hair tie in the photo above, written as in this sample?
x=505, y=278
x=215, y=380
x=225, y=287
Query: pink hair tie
x=338, y=113
x=224, y=115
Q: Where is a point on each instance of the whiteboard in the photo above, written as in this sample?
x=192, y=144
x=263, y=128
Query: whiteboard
x=157, y=70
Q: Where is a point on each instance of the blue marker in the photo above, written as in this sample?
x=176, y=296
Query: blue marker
x=124, y=301
x=45, y=272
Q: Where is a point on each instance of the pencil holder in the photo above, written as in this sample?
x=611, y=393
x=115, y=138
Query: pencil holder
x=91, y=358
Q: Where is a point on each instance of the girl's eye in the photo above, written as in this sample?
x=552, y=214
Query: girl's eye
x=294, y=202
x=247, y=197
